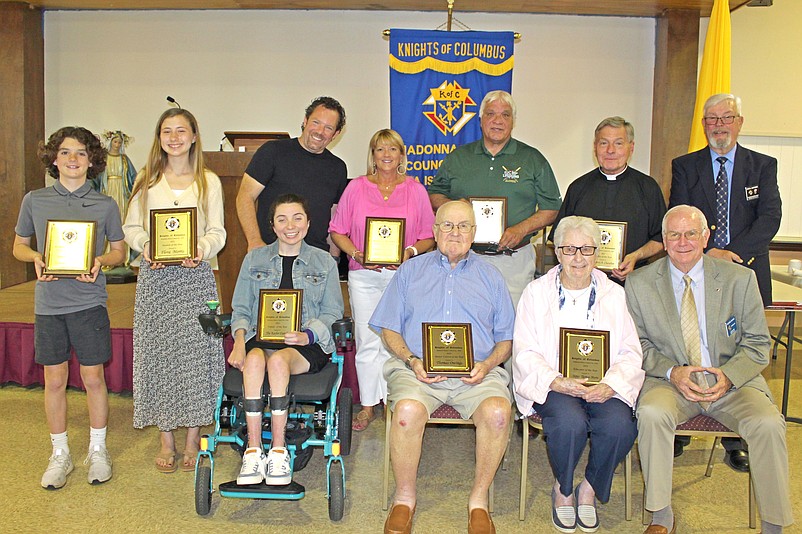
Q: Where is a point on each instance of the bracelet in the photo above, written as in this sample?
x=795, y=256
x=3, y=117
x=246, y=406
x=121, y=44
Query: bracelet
x=414, y=250
x=354, y=253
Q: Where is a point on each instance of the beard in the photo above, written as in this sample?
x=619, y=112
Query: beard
x=722, y=142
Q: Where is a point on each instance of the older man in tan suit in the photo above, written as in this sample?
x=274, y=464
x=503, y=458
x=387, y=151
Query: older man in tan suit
x=705, y=342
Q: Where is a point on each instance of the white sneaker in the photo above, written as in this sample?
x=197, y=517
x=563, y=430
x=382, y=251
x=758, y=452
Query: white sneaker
x=278, y=471
x=253, y=467
x=99, y=465
x=58, y=468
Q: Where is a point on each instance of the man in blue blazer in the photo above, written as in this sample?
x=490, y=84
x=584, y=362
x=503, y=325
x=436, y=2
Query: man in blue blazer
x=754, y=209
x=705, y=342
x=750, y=209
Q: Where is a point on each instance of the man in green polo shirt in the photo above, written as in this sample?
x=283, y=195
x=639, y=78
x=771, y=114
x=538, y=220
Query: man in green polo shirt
x=499, y=166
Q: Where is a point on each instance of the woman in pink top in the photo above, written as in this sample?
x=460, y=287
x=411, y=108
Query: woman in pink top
x=385, y=191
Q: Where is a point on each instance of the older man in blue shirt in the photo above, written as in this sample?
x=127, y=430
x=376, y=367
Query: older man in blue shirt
x=448, y=285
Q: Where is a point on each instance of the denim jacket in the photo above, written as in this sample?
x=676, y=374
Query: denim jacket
x=314, y=271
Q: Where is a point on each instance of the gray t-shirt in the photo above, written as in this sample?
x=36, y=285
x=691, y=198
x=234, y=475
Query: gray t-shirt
x=67, y=295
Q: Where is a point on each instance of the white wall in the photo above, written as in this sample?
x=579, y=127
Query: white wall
x=767, y=68
x=258, y=70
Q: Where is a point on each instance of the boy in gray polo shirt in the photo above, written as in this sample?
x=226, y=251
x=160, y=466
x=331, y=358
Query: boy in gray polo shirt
x=71, y=312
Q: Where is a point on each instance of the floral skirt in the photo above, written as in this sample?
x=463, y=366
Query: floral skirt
x=178, y=368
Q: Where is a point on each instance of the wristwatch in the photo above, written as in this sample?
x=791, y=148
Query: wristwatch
x=408, y=361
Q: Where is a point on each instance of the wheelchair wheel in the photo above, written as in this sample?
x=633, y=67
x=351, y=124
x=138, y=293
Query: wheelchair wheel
x=337, y=491
x=203, y=490
x=345, y=407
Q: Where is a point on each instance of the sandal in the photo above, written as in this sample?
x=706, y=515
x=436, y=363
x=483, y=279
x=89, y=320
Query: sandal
x=189, y=461
x=362, y=420
x=168, y=464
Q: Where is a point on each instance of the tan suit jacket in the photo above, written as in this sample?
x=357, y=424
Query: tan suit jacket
x=731, y=292
x=738, y=343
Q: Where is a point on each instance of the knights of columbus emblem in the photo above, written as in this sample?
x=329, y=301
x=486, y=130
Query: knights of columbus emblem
x=448, y=107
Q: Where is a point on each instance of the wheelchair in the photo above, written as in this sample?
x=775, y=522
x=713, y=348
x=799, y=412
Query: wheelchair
x=317, y=417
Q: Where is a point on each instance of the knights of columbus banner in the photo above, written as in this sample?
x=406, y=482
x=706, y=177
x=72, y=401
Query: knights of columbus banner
x=437, y=82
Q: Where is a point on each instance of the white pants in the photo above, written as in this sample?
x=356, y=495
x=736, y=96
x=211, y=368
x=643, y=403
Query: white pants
x=518, y=270
x=365, y=288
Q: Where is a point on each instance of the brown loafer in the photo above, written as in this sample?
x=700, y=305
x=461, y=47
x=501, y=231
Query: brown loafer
x=399, y=520
x=479, y=522
x=660, y=529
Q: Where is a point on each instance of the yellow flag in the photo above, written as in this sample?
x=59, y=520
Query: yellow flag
x=714, y=75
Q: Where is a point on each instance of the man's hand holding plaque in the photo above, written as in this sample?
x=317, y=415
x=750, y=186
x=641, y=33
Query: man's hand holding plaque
x=173, y=235
x=279, y=313
x=384, y=241
x=612, y=247
x=447, y=349
x=69, y=249
x=584, y=354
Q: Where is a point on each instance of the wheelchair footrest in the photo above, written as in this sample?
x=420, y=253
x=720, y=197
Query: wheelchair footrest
x=292, y=491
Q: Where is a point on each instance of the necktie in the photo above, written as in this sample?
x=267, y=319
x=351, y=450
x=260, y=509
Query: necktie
x=720, y=237
x=689, y=322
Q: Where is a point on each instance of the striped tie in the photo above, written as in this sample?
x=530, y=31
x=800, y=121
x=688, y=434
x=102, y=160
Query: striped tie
x=689, y=322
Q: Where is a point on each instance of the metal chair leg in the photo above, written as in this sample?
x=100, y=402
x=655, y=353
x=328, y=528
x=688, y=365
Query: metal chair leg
x=628, y=486
x=388, y=418
x=524, y=467
x=709, y=470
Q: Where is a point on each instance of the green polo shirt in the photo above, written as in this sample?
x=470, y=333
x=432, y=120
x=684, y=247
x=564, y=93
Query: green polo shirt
x=518, y=172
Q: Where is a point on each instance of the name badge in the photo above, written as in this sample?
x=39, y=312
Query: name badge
x=752, y=192
x=731, y=326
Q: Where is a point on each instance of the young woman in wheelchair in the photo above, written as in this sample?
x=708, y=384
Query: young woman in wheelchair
x=287, y=263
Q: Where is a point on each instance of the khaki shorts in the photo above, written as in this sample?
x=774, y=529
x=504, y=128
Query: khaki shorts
x=402, y=384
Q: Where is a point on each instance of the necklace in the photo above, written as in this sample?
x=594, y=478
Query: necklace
x=574, y=298
x=387, y=188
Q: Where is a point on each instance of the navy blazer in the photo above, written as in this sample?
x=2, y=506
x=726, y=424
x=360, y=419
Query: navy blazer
x=754, y=218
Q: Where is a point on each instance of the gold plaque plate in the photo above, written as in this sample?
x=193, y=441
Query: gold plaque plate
x=173, y=235
x=69, y=248
x=279, y=313
x=447, y=349
x=584, y=354
x=384, y=241
x=613, y=245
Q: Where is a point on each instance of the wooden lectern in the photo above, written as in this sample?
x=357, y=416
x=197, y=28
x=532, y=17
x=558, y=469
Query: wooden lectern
x=253, y=140
x=230, y=166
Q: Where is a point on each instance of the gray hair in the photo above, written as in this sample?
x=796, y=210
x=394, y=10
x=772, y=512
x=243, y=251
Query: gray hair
x=715, y=100
x=616, y=122
x=692, y=210
x=584, y=225
x=505, y=97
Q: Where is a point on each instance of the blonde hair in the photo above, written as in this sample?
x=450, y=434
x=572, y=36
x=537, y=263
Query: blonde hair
x=153, y=171
x=386, y=137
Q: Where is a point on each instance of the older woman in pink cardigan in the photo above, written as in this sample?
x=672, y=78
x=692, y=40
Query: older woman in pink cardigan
x=575, y=411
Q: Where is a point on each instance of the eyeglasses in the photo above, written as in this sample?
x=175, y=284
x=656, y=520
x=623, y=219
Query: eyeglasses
x=712, y=121
x=690, y=235
x=570, y=250
x=447, y=227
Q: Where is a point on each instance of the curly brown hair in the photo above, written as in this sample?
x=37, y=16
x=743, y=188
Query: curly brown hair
x=97, y=154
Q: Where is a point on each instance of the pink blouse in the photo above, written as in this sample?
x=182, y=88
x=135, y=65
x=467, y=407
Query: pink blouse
x=362, y=199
